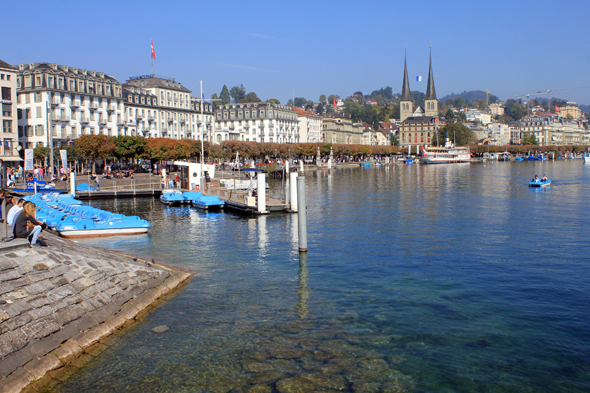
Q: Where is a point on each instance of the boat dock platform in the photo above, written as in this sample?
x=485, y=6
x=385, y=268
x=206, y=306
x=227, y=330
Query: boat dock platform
x=238, y=200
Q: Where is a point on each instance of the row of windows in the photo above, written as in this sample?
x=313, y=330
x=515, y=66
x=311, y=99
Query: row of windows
x=74, y=85
x=5, y=77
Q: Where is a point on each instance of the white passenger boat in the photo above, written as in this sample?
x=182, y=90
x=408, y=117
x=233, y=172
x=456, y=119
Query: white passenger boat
x=445, y=155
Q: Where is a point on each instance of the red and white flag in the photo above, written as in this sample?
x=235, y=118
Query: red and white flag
x=153, y=52
x=557, y=109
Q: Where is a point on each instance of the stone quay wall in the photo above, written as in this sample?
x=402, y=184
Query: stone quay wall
x=58, y=302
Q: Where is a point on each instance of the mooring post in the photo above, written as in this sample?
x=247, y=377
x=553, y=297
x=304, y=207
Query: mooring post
x=302, y=214
x=73, y=184
x=286, y=177
x=261, y=193
x=300, y=166
x=293, y=190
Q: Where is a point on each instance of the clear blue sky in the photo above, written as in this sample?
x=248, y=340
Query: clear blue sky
x=278, y=48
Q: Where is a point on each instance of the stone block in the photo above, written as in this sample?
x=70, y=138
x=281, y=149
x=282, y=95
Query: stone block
x=20, y=282
x=66, y=332
x=6, y=264
x=41, y=312
x=16, y=382
x=39, y=287
x=91, y=336
x=69, y=314
x=44, y=346
x=8, y=275
x=15, y=323
x=6, y=287
x=59, y=270
x=39, y=276
x=136, y=290
x=68, y=351
x=128, y=311
x=39, y=367
x=41, y=327
x=84, y=323
x=10, y=363
x=38, y=301
x=18, y=307
x=59, y=281
x=123, y=298
x=116, y=321
x=72, y=275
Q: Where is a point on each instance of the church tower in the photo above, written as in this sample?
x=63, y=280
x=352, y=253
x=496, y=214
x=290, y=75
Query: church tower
x=430, y=101
x=405, y=104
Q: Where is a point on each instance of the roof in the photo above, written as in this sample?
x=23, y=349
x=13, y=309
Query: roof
x=4, y=64
x=154, y=81
x=301, y=112
x=419, y=119
x=430, y=92
x=406, y=84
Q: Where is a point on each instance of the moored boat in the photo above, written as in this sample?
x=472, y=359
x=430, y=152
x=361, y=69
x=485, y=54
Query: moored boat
x=171, y=197
x=445, y=155
x=208, y=202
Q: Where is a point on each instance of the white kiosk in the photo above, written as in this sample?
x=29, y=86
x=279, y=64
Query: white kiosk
x=190, y=174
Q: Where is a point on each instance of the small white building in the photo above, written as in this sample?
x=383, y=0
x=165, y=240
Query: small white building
x=8, y=116
x=310, y=126
x=499, y=134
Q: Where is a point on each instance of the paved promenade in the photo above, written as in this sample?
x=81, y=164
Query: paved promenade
x=59, y=303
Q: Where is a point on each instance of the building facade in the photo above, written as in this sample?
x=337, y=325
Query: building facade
x=550, y=130
x=256, y=122
x=496, y=109
x=160, y=107
x=419, y=131
x=570, y=112
x=341, y=130
x=8, y=116
x=59, y=103
x=310, y=126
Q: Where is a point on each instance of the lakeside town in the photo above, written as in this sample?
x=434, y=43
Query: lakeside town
x=50, y=105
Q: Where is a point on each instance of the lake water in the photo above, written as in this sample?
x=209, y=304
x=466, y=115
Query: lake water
x=449, y=278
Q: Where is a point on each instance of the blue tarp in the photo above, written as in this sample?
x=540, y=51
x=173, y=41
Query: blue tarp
x=84, y=187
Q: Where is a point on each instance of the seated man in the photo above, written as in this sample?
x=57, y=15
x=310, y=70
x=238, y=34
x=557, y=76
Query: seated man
x=544, y=178
x=14, y=211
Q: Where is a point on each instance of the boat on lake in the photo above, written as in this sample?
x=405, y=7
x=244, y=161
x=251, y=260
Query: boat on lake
x=540, y=183
x=445, y=155
x=208, y=202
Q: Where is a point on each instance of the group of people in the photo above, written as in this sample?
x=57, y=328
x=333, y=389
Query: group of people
x=537, y=180
x=21, y=219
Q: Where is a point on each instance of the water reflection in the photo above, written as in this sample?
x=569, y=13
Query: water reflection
x=303, y=290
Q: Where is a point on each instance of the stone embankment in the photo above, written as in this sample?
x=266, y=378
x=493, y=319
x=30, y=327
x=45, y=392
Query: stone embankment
x=58, y=303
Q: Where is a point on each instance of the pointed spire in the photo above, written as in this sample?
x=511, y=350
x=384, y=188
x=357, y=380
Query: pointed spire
x=406, y=85
x=430, y=92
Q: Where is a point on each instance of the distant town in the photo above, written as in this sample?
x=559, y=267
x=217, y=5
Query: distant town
x=47, y=103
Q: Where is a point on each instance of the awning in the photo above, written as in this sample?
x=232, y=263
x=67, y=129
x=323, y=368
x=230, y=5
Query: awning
x=10, y=158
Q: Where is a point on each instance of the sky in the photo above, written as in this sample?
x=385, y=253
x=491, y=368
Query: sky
x=282, y=50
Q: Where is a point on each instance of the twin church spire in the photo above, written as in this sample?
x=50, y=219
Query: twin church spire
x=430, y=101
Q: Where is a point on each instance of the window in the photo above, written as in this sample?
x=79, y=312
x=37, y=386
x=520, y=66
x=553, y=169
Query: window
x=39, y=130
x=37, y=97
x=6, y=93
x=7, y=126
x=38, y=109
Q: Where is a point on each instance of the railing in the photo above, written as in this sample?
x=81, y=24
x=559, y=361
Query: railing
x=94, y=105
x=102, y=121
x=75, y=104
x=60, y=118
x=112, y=107
x=84, y=120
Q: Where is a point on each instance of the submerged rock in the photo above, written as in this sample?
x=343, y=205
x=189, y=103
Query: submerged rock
x=160, y=329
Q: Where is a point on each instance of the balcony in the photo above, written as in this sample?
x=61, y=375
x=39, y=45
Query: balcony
x=120, y=122
x=139, y=116
x=130, y=121
x=55, y=101
x=84, y=120
x=102, y=121
x=94, y=105
x=75, y=104
x=151, y=118
x=60, y=118
x=112, y=107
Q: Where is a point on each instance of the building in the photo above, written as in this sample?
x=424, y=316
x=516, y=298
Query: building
x=8, y=80
x=478, y=116
x=570, y=111
x=551, y=130
x=337, y=128
x=310, y=126
x=369, y=135
x=256, y=122
x=382, y=137
x=499, y=134
x=68, y=101
x=418, y=127
x=496, y=109
x=160, y=107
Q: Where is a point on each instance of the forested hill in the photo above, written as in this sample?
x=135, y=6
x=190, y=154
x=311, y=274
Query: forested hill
x=472, y=96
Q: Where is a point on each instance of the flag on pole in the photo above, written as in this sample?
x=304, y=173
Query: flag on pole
x=419, y=78
x=153, y=52
x=557, y=109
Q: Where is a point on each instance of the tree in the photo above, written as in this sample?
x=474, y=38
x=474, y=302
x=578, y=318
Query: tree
x=323, y=98
x=41, y=153
x=462, y=135
x=319, y=109
x=238, y=94
x=393, y=140
x=459, y=102
x=214, y=96
x=514, y=110
x=358, y=93
x=273, y=101
x=462, y=117
x=299, y=102
x=129, y=147
x=93, y=147
x=529, y=139
x=450, y=114
x=332, y=98
x=252, y=97
x=224, y=95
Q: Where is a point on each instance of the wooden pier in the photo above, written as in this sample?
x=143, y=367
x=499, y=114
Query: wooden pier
x=238, y=200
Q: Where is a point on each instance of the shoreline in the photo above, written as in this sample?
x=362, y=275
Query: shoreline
x=61, y=305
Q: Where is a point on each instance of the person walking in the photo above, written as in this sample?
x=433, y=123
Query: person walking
x=97, y=180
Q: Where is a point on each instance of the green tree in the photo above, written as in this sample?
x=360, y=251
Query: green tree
x=93, y=147
x=393, y=140
x=450, y=114
x=129, y=147
x=40, y=153
x=214, y=96
x=529, y=139
x=252, y=97
x=300, y=102
x=319, y=109
x=224, y=95
x=462, y=135
x=459, y=102
x=238, y=94
x=323, y=98
x=514, y=110
x=273, y=101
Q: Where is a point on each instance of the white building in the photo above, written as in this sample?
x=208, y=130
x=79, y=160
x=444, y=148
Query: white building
x=159, y=107
x=478, y=116
x=8, y=116
x=68, y=101
x=549, y=129
x=499, y=134
x=256, y=122
x=310, y=126
x=496, y=109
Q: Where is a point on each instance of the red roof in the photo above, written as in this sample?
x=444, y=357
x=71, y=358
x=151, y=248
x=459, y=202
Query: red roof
x=301, y=112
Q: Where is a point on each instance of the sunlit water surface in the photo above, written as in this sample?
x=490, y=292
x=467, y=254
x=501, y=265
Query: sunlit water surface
x=450, y=278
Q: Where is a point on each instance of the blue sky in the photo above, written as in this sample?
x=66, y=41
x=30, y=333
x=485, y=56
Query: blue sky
x=305, y=48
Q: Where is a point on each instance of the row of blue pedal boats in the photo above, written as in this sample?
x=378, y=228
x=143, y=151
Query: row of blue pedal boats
x=193, y=198
x=66, y=215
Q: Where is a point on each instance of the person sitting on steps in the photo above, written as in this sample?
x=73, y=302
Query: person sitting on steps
x=26, y=225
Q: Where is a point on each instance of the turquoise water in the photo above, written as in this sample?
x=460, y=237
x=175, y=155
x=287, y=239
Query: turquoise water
x=450, y=278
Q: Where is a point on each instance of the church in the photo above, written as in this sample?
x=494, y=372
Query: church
x=418, y=126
